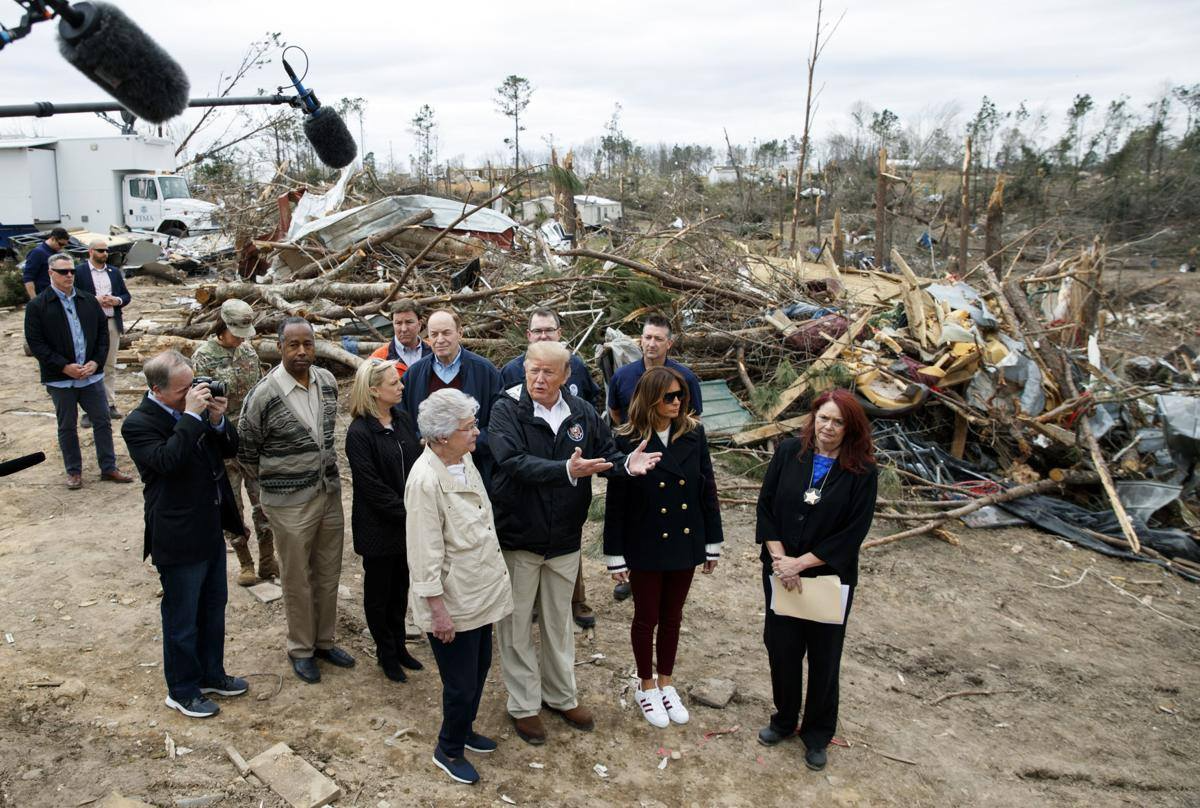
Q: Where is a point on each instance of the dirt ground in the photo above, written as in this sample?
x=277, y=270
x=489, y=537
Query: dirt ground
x=1090, y=702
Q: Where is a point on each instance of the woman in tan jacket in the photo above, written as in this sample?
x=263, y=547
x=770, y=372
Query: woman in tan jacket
x=459, y=583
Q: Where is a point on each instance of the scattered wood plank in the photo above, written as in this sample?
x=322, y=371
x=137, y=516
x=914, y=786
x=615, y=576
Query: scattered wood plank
x=293, y=778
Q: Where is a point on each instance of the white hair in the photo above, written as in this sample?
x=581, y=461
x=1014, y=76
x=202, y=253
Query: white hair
x=439, y=415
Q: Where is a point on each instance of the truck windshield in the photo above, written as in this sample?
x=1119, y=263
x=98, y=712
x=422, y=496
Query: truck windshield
x=174, y=188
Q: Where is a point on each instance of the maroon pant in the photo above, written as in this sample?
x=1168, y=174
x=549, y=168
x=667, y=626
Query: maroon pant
x=657, y=602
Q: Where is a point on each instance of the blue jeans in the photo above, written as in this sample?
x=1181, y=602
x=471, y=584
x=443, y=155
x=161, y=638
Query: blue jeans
x=193, y=622
x=463, y=665
x=67, y=401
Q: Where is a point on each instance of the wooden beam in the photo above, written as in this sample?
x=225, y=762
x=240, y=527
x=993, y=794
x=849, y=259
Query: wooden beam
x=825, y=360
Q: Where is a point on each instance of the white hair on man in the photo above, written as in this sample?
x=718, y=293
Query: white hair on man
x=439, y=416
x=549, y=351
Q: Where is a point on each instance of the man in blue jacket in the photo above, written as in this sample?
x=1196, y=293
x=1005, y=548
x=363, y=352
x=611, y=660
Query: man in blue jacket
x=451, y=365
x=36, y=274
x=107, y=283
x=545, y=326
x=548, y=444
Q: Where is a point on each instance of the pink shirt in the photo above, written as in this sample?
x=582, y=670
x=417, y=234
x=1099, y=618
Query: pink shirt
x=103, y=285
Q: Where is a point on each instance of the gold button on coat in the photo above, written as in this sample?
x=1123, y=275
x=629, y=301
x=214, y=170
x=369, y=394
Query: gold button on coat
x=684, y=506
x=681, y=482
x=662, y=485
x=687, y=531
x=664, y=535
x=664, y=510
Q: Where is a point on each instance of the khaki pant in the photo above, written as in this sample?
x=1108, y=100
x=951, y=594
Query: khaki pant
x=533, y=676
x=308, y=538
x=110, y=362
x=262, y=528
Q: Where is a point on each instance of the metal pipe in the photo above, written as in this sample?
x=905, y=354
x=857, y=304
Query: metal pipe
x=44, y=109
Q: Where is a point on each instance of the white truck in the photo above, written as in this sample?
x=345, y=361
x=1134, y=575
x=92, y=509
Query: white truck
x=94, y=184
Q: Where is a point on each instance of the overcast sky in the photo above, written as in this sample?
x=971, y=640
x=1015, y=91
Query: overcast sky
x=680, y=70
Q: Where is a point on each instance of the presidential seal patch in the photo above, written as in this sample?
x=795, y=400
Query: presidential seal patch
x=575, y=433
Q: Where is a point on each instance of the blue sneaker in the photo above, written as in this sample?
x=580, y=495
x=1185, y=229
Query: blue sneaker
x=229, y=686
x=198, y=707
x=459, y=769
x=480, y=743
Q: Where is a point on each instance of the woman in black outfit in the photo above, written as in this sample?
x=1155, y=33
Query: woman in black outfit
x=814, y=510
x=658, y=528
x=381, y=447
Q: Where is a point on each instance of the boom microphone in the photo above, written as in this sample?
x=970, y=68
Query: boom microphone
x=21, y=463
x=324, y=128
x=111, y=50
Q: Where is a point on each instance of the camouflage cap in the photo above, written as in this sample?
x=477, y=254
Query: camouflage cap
x=238, y=317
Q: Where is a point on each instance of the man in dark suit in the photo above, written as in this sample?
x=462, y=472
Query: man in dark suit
x=107, y=283
x=65, y=329
x=178, y=437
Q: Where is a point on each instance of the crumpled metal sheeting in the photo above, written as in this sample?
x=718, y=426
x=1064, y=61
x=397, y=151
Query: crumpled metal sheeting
x=1180, y=419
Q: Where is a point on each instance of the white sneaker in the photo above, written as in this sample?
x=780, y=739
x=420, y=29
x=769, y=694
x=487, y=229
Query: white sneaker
x=674, y=705
x=651, y=702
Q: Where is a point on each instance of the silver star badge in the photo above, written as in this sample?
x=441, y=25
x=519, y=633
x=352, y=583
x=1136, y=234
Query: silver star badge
x=812, y=496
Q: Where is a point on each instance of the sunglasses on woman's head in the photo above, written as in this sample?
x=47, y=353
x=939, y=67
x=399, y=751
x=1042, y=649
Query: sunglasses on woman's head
x=672, y=397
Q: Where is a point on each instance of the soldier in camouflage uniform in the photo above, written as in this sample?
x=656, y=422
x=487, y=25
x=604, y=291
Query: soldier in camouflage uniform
x=227, y=357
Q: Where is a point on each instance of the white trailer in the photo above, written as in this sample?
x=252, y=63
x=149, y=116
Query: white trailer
x=95, y=184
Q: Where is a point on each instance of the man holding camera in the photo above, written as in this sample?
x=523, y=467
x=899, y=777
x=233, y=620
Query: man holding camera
x=177, y=437
x=230, y=359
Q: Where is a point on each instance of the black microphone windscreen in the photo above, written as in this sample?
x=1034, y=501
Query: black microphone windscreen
x=125, y=62
x=21, y=463
x=330, y=138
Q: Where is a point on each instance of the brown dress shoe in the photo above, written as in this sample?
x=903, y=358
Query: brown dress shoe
x=116, y=476
x=530, y=729
x=74, y=482
x=579, y=717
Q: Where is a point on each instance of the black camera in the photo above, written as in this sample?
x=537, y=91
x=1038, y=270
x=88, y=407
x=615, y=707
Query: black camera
x=215, y=387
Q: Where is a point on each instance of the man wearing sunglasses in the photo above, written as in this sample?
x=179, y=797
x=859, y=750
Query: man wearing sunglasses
x=36, y=273
x=67, y=333
x=107, y=283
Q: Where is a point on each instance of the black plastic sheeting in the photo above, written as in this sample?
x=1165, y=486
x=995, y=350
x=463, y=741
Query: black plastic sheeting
x=1065, y=519
x=898, y=446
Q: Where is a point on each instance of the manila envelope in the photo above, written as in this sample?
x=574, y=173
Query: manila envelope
x=821, y=599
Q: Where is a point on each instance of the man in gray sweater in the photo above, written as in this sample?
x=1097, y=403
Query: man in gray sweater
x=286, y=430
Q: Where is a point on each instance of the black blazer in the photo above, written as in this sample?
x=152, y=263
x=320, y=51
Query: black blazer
x=49, y=334
x=536, y=507
x=83, y=280
x=833, y=529
x=663, y=520
x=188, y=497
x=379, y=464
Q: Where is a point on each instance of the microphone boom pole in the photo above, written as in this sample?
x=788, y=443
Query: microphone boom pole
x=44, y=109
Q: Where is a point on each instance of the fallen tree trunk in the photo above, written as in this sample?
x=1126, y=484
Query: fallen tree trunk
x=268, y=350
x=216, y=294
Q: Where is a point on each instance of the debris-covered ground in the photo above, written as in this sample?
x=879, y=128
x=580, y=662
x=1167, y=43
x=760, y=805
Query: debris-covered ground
x=1012, y=668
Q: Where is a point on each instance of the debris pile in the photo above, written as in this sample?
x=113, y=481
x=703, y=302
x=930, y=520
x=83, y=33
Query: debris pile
x=993, y=392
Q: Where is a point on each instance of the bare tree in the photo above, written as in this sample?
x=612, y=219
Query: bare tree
x=512, y=96
x=818, y=47
x=424, y=129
